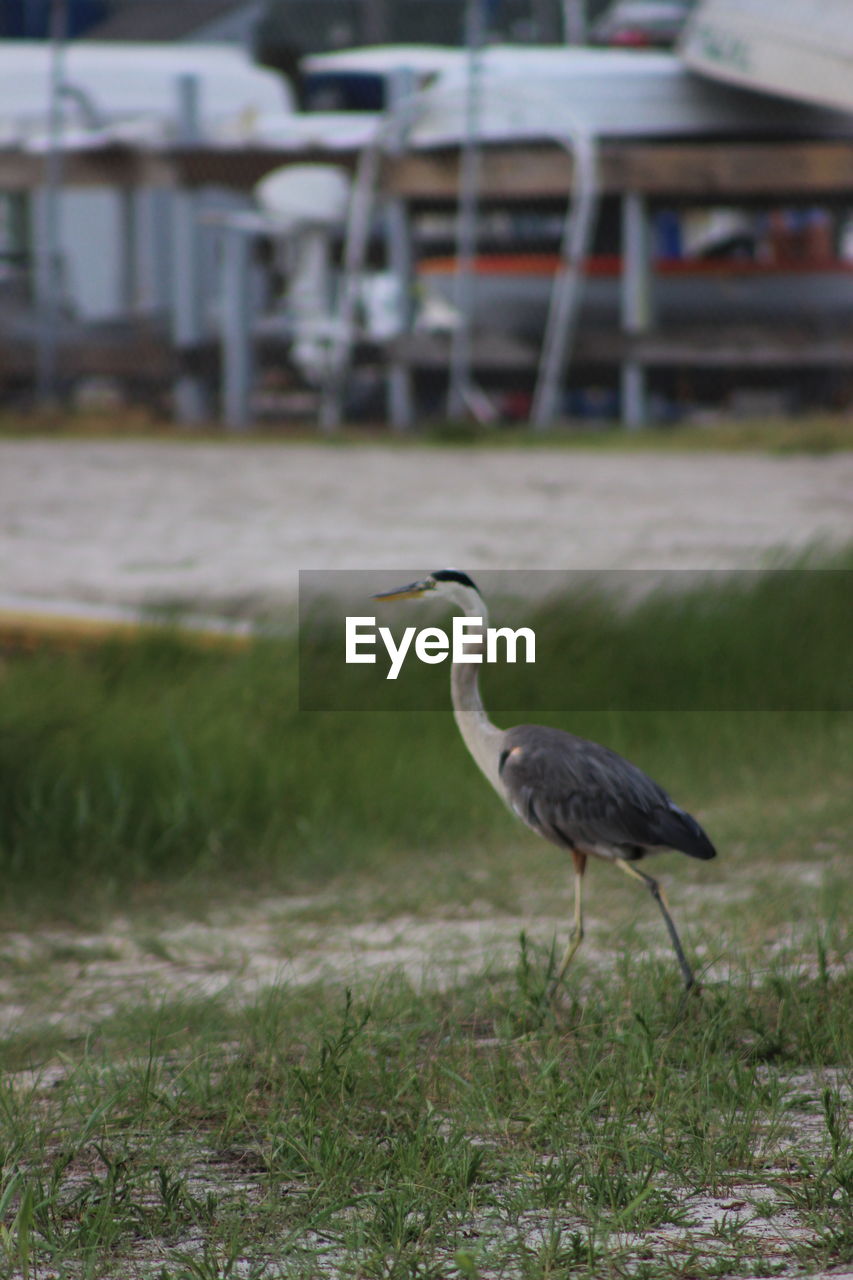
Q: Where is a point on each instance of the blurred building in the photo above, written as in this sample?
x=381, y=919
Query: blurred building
x=288, y=29
x=205, y=21
x=309, y=26
x=305, y=25
x=339, y=23
x=30, y=19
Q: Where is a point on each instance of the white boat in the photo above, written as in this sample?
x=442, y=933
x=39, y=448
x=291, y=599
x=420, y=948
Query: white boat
x=798, y=49
x=528, y=92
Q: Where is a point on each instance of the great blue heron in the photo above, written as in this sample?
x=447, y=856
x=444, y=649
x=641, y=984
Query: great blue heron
x=581, y=796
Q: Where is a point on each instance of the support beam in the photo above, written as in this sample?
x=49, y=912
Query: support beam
x=49, y=240
x=401, y=409
x=699, y=171
x=636, y=302
x=237, y=353
x=190, y=393
x=187, y=308
x=467, y=216
x=398, y=241
x=128, y=251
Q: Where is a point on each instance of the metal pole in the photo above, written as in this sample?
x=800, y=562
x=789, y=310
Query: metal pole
x=574, y=22
x=466, y=224
x=398, y=237
x=636, y=302
x=356, y=239
x=566, y=292
x=237, y=353
x=49, y=260
x=187, y=304
x=128, y=266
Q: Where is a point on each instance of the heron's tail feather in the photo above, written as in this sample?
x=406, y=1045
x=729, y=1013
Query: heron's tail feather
x=680, y=830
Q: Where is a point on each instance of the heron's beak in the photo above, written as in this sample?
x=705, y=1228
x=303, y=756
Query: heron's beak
x=411, y=592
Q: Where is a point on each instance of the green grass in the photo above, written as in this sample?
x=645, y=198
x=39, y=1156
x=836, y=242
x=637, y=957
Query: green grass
x=137, y=764
x=814, y=432
x=400, y=1133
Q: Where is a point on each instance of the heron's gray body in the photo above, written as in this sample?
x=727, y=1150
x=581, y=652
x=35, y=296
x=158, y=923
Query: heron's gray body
x=586, y=798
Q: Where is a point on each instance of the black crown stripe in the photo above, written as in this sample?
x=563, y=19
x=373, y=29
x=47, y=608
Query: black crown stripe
x=453, y=575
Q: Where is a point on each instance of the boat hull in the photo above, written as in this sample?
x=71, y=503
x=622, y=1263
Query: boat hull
x=798, y=50
x=511, y=293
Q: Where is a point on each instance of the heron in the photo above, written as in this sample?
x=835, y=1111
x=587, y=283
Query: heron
x=577, y=794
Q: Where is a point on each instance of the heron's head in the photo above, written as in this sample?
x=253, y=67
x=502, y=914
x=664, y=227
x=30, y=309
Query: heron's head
x=447, y=584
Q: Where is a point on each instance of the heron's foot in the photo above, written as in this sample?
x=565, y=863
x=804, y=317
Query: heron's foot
x=551, y=990
x=692, y=992
x=575, y=939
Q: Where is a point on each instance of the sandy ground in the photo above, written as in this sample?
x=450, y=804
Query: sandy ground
x=225, y=527
x=238, y=953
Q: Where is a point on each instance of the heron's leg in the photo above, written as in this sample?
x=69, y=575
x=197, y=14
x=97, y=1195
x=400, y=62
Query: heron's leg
x=658, y=895
x=576, y=935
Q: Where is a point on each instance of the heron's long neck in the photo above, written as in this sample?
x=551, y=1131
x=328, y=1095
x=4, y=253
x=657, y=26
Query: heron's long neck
x=482, y=738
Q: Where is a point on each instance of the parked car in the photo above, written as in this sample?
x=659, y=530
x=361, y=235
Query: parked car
x=641, y=23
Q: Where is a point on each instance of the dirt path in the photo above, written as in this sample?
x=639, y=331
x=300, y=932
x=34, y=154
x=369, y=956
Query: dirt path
x=227, y=526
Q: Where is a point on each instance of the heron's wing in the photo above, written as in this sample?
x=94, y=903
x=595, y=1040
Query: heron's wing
x=582, y=795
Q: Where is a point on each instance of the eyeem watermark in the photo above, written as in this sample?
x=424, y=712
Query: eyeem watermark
x=592, y=642
x=433, y=645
